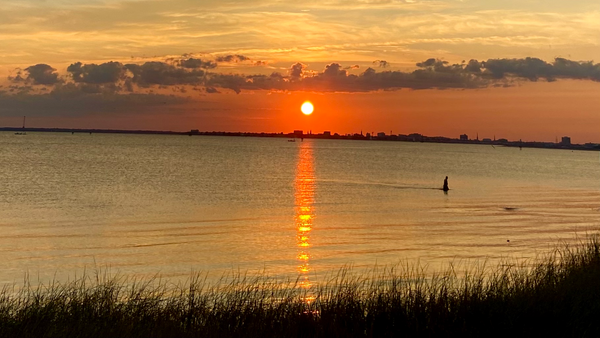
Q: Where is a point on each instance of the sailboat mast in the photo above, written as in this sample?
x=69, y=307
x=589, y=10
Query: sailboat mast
x=24, y=122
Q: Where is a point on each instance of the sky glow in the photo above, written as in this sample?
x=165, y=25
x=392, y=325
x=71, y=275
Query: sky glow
x=514, y=69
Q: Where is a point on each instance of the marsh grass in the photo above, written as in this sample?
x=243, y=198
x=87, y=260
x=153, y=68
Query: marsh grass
x=559, y=295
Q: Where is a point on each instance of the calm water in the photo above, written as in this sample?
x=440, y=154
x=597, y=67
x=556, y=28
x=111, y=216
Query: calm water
x=169, y=205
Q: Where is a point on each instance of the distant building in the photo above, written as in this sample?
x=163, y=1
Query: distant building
x=327, y=133
x=381, y=134
x=487, y=140
x=298, y=133
x=464, y=137
x=415, y=137
x=566, y=140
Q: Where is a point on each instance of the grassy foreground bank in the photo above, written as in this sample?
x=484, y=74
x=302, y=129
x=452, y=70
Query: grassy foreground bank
x=559, y=297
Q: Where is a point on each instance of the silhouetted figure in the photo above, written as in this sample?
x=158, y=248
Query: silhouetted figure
x=445, y=188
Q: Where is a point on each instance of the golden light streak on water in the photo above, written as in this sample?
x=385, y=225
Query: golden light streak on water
x=304, y=268
x=304, y=191
x=303, y=256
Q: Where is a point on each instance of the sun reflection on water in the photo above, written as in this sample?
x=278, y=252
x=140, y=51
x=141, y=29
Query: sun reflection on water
x=304, y=191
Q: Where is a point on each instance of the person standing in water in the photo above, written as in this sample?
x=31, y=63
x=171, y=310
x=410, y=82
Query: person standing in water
x=445, y=188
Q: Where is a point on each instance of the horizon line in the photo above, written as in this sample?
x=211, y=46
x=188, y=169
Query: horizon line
x=374, y=136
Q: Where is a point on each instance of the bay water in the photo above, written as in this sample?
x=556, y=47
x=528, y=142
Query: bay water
x=161, y=205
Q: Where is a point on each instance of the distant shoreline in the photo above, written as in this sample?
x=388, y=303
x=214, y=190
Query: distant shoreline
x=399, y=138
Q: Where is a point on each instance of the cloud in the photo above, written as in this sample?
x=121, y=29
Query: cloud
x=474, y=66
x=272, y=28
x=534, y=68
x=333, y=70
x=182, y=72
x=18, y=77
x=529, y=68
x=440, y=66
x=73, y=100
x=193, y=63
x=335, y=78
x=109, y=72
x=40, y=74
x=232, y=58
x=230, y=81
x=128, y=85
x=381, y=63
x=161, y=73
x=432, y=73
x=296, y=70
x=275, y=81
x=429, y=62
x=19, y=89
x=576, y=69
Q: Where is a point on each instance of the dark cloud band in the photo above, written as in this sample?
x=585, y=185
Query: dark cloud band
x=430, y=74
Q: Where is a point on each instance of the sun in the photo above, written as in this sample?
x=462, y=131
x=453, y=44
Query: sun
x=307, y=108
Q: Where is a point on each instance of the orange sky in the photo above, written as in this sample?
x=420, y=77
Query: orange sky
x=531, y=111
x=358, y=61
x=550, y=112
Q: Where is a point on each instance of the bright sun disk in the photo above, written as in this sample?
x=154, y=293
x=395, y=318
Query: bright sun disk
x=307, y=108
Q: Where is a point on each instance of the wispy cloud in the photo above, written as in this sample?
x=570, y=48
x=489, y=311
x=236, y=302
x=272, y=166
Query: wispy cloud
x=35, y=32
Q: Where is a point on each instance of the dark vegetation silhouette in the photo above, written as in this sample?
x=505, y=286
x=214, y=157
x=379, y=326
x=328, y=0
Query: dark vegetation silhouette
x=558, y=295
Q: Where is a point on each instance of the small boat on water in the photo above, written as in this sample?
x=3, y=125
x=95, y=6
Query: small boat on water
x=22, y=132
x=292, y=140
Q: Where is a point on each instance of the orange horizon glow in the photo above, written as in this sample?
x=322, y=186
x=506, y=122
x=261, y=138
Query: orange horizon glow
x=530, y=111
x=540, y=111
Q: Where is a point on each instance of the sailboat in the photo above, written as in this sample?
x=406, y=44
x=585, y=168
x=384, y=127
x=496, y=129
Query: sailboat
x=22, y=132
